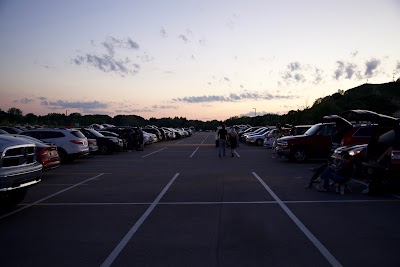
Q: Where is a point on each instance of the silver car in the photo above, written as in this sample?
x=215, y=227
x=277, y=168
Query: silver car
x=18, y=169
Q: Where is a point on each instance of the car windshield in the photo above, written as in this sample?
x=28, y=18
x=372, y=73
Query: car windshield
x=96, y=133
x=78, y=134
x=313, y=129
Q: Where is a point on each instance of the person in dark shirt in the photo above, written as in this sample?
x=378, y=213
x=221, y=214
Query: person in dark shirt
x=222, y=135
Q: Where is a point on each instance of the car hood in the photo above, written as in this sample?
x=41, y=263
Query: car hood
x=6, y=141
x=348, y=148
x=292, y=137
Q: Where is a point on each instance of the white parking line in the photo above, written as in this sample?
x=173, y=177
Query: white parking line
x=114, y=254
x=194, y=152
x=324, y=251
x=205, y=138
x=153, y=152
x=55, y=194
x=213, y=202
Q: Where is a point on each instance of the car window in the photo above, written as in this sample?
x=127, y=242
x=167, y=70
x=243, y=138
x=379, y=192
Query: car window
x=77, y=134
x=54, y=134
x=327, y=130
x=363, y=132
x=313, y=129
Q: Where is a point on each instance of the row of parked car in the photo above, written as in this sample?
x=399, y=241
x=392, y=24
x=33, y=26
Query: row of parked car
x=371, y=139
x=27, y=152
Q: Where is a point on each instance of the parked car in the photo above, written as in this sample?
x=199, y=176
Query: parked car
x=248, y=130
x=3, y=132
x=92, y=144
x=96, y=126
x=106, y=144
x=11, y=129
x=46, y=153
x=114, y=135
x=259, y=131
x=257, y=139
x=71, y=143
x=316, y=142
x=154, y=131
x=370, y=158
x=19, y=170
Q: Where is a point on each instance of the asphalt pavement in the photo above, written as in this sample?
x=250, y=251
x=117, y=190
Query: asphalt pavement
x=178, y=204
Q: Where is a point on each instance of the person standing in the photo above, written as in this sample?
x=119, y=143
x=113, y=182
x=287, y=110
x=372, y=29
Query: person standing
x=233, y=139
x=222, y=135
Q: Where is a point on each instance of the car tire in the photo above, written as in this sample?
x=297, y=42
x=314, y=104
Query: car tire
x=299, y=155
x=63, y=155
x=9, y=200
x=103, y=150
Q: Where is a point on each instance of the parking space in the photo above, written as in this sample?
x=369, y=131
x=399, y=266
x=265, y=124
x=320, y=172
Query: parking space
x=178, y=204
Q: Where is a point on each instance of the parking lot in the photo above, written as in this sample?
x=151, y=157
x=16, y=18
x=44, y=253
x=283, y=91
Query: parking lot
x=178, y=204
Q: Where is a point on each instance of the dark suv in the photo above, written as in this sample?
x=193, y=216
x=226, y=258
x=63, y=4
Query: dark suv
x=106, y=144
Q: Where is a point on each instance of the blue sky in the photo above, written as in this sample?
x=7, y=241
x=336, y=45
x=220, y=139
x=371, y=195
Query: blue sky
x=197, y=59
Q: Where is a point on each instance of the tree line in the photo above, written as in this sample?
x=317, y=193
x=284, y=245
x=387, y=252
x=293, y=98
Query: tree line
x=381, y=98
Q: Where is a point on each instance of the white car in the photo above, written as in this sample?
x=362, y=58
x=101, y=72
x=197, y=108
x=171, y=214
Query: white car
x=71, y=143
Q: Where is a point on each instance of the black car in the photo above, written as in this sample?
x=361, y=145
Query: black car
x=106, y=144
x=11, y=130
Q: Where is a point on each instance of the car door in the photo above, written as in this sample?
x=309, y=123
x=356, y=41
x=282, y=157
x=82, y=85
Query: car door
x=322, y=140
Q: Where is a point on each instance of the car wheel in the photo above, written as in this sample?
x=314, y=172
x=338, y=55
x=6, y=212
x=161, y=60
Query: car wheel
x=63, y=155
x=103, y=150
x=9, y=200
x=259, y=142
x=300, y=155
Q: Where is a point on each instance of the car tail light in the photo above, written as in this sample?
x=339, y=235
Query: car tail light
x=77, y=142
x=92, y=142
x=43, y=152
x=395, y=156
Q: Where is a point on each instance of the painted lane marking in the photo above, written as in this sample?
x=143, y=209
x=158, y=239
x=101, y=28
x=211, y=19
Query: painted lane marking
x=45, y=198
x=153, y=152
x=194, y=152
x=205, y=138
x=211, y=202
x=324, y=251
x=237, y=154
x=114, y=254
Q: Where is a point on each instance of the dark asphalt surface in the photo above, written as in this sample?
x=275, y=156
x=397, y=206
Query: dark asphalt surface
x=178, y=204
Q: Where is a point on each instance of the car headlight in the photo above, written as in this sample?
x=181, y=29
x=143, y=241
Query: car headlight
x=354, y=152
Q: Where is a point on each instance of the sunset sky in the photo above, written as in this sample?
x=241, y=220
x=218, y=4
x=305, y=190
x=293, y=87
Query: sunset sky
x=206, y=59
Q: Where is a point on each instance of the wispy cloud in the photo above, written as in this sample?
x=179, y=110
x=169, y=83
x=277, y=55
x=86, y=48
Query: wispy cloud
x=164, y=107
x=345, y=69
x=163, y=33
x=183, y=38
x=109, y=62
x=293, y=73
x=24, y=100
x=79, y=105
x=348, y=70
x=231, y=98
